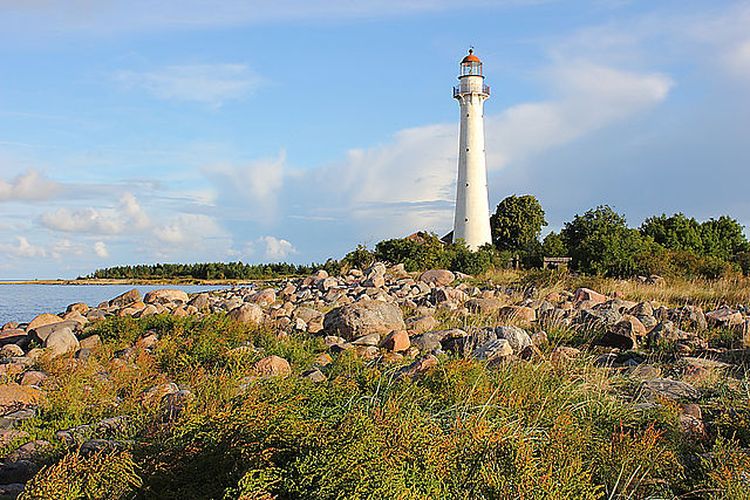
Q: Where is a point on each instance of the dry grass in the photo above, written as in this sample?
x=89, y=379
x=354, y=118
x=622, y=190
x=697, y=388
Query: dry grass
x=671, y=292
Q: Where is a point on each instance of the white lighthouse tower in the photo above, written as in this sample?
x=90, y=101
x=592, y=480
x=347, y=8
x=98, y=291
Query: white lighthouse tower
x=472, y=219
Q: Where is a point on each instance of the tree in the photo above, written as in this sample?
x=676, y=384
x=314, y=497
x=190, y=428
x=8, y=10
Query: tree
x=723, y=237
x=676, y=232
x=600, y=242
x=517, y=222
x=554, y=246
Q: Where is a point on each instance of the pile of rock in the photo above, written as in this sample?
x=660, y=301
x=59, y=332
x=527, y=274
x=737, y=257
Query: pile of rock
x=363, y=311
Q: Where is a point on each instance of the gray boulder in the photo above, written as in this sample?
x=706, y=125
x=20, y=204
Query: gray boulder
x=516, y=337
x=364, y=318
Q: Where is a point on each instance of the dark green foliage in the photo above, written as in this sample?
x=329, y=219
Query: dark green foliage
x=554, y=246
x=600, y=242
x=428, y=252
x=723, y=238
x=360, y=257
x=416, y=254
x=212, y=271
x=517, y=222
x=743, y=260
x=676, y=232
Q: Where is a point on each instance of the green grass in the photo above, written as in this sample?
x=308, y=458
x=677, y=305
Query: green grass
x=527, y=429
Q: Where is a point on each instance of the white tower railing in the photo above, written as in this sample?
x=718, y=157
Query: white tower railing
x=472, y=216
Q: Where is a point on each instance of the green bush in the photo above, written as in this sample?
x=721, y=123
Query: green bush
x=600, y=242
x=100, y=476
x=428, y=252
x=360, y=257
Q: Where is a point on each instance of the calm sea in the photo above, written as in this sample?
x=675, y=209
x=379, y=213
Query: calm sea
x=22, y=302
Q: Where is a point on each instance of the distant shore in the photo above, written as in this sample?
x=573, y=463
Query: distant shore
x=166, y=281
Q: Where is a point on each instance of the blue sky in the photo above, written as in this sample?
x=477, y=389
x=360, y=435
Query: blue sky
x=142, y=131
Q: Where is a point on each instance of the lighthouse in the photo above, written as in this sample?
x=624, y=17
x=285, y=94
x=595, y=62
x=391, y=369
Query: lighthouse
x=472, y=218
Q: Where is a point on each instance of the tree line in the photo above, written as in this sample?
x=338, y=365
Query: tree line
x=599, y=241
x=211, y=271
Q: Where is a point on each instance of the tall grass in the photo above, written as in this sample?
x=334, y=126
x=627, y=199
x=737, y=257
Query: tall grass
x=525, y=429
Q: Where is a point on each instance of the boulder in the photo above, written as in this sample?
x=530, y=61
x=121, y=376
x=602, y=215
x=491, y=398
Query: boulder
x=363, y=318
x=263, y=298
x=43, y=320
x=437, y=277
x=91, y=342
x=419, y=366
x=61, y=342
x=11, y=350
x=432, y=341
x=125, y=299
x=14, y=336
x=166, y=295
x=421, y=324
x=630, y=326
x=483, y=305
x=562, y=354
x=272, y=366
x=247, y=313
x=493, y=349
x=589, y=295
x=15, y=397
x=396, y=341
x=40, y=334
x=79, y=307
x=450, y=296
x=314, y=375
x=724, y=317
x=517, y=338
x=521, y=314
x=202, y=301
x=19, y=471
x=669, y=389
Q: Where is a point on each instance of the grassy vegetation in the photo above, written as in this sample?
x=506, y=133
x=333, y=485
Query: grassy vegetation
x=673, y=291
x=527, y=429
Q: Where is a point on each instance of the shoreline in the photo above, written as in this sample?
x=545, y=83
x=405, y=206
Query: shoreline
x=135, y=282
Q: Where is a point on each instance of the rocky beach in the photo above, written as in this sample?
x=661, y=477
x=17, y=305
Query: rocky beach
x=667, y=366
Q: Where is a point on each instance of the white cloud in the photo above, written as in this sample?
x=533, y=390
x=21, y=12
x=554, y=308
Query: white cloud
x=127, y=216
x=408, y=184
x=277, y=249
x=100, y=249
x=132, y=209
x=63, y=247
x=188, y=229
x=211, y=84
x=29, y=186
x=22, y=249
x=87, y=220
x=251, y=189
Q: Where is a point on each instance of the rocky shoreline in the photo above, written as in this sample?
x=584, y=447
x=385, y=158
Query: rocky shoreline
x=383, y=314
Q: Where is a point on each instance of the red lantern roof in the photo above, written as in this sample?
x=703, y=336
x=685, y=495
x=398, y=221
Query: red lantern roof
x=471, y=58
